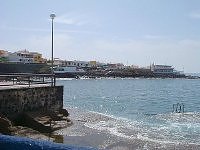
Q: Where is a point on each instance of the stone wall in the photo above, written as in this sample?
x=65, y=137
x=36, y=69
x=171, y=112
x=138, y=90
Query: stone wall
x=30, y=99
x=23, y=68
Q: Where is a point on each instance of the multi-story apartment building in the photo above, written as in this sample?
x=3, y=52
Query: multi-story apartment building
x=74, y=63
x=162, y=69
x=25, y=56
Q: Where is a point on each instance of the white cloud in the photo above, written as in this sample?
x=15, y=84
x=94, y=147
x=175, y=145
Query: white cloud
x=42, y=44
x=179, y=53
x=149, y=36
x=195, y=15
x=24, y=29
x=71, y=19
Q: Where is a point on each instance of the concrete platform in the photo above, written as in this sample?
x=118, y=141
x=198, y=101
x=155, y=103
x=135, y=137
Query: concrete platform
x=10, y=85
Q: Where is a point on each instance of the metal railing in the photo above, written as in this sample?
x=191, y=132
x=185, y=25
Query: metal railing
x=179, y=108
x=27, y=79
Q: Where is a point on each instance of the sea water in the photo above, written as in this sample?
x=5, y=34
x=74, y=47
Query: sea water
x=142, y=108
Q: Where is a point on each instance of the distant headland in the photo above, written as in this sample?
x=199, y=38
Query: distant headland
x=32, y=62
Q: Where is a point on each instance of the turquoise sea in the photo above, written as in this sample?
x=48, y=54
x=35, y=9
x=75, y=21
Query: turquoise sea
x=142, y=108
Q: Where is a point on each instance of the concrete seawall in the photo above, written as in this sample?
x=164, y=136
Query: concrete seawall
x=24, y=99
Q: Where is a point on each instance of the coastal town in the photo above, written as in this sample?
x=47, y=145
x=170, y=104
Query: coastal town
x=25, y=61
x=32, y=107
x=99, y=75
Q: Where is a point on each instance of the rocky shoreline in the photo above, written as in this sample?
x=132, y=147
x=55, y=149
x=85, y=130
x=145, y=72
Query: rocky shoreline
x=120, y=73
x=77, y=133
x=82, y=133
x=35, y=124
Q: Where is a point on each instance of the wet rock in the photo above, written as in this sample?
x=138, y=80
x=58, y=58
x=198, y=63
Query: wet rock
x=64, y=112
x=26, y=120
x=5, y=126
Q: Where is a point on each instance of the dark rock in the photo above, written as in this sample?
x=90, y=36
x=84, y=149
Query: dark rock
x=64, y=112
x=5, y=126
x=26, y=120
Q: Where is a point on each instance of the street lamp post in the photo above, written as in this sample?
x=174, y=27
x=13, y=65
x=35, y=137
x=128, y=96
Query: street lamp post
x=52, y=16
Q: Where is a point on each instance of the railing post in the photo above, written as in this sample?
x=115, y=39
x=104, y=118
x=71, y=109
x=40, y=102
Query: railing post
x=13, y=80
x=179, y=108
x=54, y=80
x=29, y=81
x=24, y=79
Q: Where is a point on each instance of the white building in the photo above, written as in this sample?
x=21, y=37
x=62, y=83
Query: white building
x=162, y=69
x=75, y=63
x=114, y=66
x=78, y=63
x=21, y=57
x=25, y=56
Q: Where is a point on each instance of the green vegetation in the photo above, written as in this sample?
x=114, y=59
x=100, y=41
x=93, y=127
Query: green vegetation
x=3, y=59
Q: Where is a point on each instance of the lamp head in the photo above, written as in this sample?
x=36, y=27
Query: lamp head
x=52, y=16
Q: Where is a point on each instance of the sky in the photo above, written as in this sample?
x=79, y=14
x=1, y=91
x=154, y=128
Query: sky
x=132, y=32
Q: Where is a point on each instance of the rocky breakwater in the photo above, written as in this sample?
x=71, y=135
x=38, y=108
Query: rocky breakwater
x=32, y=112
